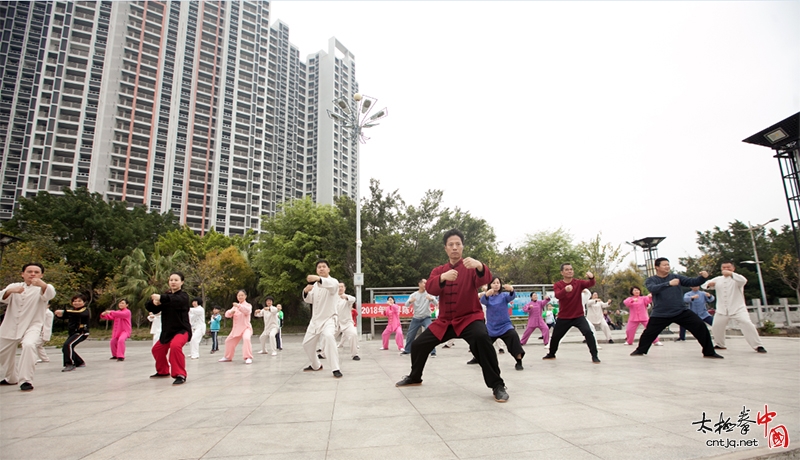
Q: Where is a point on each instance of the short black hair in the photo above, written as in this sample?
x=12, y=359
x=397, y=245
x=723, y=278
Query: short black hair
x=659, y=260
x=198, y=300
x=630, y=291
x=390, y=297
x=33, y=264
x=564, y=265
x=727, y=262
x=321, y=261
x=497, y=278
x=79, y=296
x=123, y=300
x=453, y=232
x=177, y=273
x=269, y=297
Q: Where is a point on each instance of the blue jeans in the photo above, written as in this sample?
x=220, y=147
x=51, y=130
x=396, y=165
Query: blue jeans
x=413, y=328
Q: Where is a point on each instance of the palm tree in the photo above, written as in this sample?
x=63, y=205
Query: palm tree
x=139, y=276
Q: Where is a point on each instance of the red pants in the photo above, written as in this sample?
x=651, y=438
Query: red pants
x=177, y=360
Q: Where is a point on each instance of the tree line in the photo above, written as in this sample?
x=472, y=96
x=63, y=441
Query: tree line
x=108, y=251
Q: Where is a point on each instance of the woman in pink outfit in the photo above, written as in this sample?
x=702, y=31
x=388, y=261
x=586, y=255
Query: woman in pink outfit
x=121, y=330
x=242, y=329
x=637, y=305
x=534, y=310
x=392, y=312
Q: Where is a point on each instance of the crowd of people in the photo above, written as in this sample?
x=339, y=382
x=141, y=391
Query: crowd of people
x=459, y=299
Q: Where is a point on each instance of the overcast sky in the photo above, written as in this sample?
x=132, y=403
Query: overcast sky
x=624, y=118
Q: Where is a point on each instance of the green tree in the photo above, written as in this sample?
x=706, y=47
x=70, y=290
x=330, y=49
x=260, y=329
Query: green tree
x=601, y=259
x=221, y=274
x=141, y=276
x=92, y=234
x=619, y=283
x=544, y=252
x=292, y=240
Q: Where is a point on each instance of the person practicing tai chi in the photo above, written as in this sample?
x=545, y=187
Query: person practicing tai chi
x=594, y=313
x=668, y=308
x=78, y=329
x=26, y=303
x=570, y=313
x=346, y=325
x=421, y=301
x=176, y=329
x=121, y=330
x=270, y=315
x=535, y=319
x=214, y=326
x=731, y=306
x=637, y=306
x=47, y=333
x=242, y=329
x=460, y=315
x=322, y=293
x=393, y=325
x=698, y=302
x=197, y=319
x=498, y=322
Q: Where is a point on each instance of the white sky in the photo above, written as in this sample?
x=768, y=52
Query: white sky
x=620, y=117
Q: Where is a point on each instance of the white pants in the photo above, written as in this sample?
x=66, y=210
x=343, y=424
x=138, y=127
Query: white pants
x=194, y=344
x=22, y=371
x=271, y=333
x=604, y=326
x=322, y=339
x=747, y=327
x=349, y=334
x=40, y=351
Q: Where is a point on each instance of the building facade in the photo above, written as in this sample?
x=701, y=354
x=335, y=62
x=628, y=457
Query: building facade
x=204, y=109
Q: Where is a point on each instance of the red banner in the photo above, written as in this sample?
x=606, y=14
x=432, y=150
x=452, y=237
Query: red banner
x=375, y=310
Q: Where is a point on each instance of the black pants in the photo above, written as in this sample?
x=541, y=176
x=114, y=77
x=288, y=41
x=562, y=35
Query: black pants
x=563, y=326
x=68, y=350
x=708, y=320
x=214, y=341
x=687, y=319
x=480, y=344
x=511, y=339
x=278, y=340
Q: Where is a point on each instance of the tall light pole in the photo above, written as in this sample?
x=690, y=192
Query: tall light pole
x=355, y=117
x=751, y=229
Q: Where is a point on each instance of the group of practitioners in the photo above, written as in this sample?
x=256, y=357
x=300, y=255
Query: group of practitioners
x=461, y=314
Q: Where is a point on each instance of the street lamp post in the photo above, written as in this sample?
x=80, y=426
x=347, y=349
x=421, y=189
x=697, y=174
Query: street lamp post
x=751, y=229
x=355, y=117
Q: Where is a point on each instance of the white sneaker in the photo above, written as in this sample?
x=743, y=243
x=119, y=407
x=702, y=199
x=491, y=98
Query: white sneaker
x=658, y=344
x=262, y=352
x=224, y=360
x=626, y=343
x=381, y=348
x=248, y=361
x=274, y=353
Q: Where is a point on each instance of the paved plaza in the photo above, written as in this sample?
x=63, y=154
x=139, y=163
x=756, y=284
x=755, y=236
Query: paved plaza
x=625, y=408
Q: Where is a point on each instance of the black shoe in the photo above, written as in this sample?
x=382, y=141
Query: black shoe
x=158, y=376
x=500, y=394
x=584, y=341
x=541, y=337
x=120, y=359
x=501, y=351
x=68, y=368
x=761, y=350
x=714, y=356
x=356, y=358
x=5, y=382
x=473, y=361
x=637, y=353
x=337, y=374
x=549, y=356
x=445, y=346
x=518, y=366
x=26, y=386
x=717, y=347
x=179, y=380
x=311, y=369
x=407, y=382
x=405, y=353
x=680, y=340
x=320, y=356
x=595, y=360
x=113, y=357
x=610, y=341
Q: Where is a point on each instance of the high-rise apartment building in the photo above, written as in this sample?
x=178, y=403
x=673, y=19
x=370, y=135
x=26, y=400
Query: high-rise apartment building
x=204, y=109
